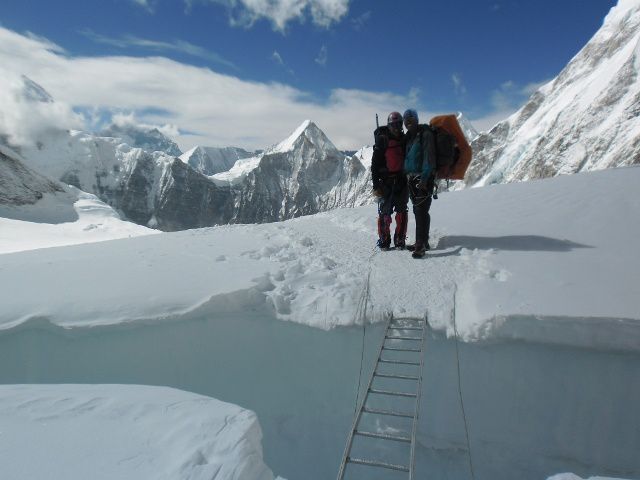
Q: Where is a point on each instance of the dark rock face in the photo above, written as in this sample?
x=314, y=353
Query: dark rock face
x=187, y=199
x=134, y=193
x=20, y=185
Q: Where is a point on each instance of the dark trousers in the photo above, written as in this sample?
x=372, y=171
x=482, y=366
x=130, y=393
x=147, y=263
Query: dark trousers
x=395, y=198
x=421, y=201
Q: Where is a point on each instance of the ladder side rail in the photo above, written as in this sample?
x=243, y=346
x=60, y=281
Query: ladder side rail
x=414, y=430
x=356, y=420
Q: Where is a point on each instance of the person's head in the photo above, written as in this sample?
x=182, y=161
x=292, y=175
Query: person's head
x=394, y=122
x=410, y=117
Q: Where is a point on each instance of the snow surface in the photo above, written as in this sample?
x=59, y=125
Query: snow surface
x=69, y=218
x=571, y=476
x=126, y=432
x=236, y=174
x=551, y=260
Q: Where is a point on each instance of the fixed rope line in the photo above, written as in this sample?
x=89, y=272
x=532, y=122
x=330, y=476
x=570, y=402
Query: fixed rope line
x=464, y=415
x=361, y=314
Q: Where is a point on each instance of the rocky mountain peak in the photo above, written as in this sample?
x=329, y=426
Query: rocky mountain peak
x=307, y=132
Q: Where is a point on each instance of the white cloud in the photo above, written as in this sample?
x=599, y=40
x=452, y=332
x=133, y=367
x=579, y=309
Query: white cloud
x=322, y=57
x=458, y=86
x=148, y=5
x=48, y=44
x=127, y=119
x=128, y=41
x=280, y=12
x=214, y=109
x=25, y=117
x=277, y=58
x=361, y=21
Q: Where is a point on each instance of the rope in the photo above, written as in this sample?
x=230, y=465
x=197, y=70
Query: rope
x=361, y=314
x=464, y=415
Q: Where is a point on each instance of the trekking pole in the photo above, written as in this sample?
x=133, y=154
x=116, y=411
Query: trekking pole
x=377, y=124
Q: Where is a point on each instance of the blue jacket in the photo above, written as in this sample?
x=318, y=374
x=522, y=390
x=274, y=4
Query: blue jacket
x=420, y=157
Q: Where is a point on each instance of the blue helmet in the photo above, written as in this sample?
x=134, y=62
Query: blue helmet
x=410, y=112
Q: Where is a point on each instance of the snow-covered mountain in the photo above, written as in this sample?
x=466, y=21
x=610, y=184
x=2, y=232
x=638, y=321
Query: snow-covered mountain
x=587, y=118
x=151, y=186
x=149, y=139
x=301, y=175
x=212, y=160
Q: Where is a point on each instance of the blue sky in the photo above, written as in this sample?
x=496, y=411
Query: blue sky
x=274, y=63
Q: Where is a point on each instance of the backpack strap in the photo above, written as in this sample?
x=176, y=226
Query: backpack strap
x=381, y=137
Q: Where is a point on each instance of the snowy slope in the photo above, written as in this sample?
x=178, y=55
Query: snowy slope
x=104, y=432
x=212, y=160
x=67, y=218
x=586, y=119
x=544, y=260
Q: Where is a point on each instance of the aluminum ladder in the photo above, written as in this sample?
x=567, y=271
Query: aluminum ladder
x=403, y=349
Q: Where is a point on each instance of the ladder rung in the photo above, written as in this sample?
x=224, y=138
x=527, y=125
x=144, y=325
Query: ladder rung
x=373, y=463
x=389, y=392
x=386, y=412
x=383, y=436
x=401, y=377
x=401, y=349
x=404, y=338
x=398, y=362
x=405, y=328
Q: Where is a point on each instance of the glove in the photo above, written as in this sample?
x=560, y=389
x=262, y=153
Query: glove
x=377, y=192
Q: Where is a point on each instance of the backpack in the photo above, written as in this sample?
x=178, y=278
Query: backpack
x=394, y=161
x=453, y=153
x=381, y=137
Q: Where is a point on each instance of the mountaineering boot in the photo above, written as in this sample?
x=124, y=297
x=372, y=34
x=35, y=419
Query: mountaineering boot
x=419, y=251
x=400, y=235
x=384, y=231
x=412, y=247
x=384, y=243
